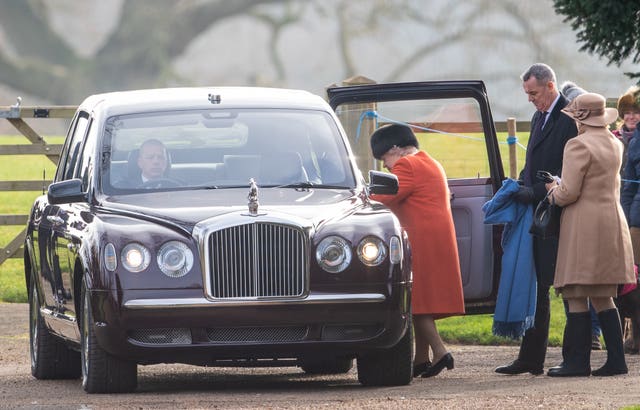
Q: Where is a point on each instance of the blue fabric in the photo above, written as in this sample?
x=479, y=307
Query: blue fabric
x=516, y=302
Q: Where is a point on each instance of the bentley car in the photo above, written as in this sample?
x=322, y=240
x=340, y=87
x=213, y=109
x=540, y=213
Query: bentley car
x=249, y=241
x=231, y=226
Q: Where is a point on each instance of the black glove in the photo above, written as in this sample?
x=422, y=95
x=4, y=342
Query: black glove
x=524, y=195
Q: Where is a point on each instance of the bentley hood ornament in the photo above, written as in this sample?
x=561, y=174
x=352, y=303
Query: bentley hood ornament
x=253, y=198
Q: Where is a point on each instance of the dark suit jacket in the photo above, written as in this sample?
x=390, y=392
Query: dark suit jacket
x=546, y=155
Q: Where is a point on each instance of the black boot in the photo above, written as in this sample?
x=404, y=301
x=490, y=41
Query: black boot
x=566, y=346
x=612, y=332
x=577, y=361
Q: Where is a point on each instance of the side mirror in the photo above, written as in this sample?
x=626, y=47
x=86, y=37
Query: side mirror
x=383, y=183
x=65, y=192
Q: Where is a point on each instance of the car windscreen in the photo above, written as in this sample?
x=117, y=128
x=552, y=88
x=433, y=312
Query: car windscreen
x=191, y=149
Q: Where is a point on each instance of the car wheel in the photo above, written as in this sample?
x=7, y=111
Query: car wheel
x=101, y=372
x=327, y=365
x=388, y=367
x=50, y=357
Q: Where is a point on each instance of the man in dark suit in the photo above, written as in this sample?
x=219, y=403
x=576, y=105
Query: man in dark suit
x=550, y=131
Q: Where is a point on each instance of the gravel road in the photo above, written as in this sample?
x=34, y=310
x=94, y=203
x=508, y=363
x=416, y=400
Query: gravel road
x=471, y=385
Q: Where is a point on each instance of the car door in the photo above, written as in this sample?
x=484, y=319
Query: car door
x=57, y=248
x=453, y=122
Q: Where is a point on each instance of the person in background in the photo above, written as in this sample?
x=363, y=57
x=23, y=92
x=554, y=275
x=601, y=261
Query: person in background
x=629, y=111
x=423, y=208
x=595, y=253
x=550, y=132
x=571, y=90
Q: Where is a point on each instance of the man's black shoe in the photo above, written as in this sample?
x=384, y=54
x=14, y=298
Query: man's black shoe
x=518, y=367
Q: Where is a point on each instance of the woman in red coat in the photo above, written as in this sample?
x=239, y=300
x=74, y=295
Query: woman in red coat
x=423, y=209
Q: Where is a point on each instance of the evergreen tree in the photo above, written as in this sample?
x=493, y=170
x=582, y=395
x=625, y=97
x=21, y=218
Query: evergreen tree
x=609, y=28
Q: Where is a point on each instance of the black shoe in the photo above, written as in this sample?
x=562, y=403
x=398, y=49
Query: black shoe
x=567, y=371
x=418, y=369
x=519, y=367
x=437, y=367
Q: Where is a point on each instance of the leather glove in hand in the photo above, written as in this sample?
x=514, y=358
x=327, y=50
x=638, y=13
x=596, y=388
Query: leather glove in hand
x=524, y=195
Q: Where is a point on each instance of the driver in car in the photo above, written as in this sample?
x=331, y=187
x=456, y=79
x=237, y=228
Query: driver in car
x=152, y=161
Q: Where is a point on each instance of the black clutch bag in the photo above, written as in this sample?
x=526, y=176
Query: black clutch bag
x=546, y=219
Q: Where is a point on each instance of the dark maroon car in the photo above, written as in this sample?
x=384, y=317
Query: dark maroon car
x=257, y=245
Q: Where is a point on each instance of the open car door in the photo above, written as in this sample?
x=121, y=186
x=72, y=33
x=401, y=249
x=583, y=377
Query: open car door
x=453, y=123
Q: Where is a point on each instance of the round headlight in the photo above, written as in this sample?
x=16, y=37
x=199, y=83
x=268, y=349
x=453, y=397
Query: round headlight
x=371, y=251
x=175, y=259
x=333, y=254
x=135, y=257
x=110, y=259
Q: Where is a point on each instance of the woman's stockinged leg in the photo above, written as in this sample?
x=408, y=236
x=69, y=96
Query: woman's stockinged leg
x=427, y=336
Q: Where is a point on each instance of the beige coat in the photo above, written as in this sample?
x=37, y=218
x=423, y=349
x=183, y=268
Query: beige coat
x=595, y=246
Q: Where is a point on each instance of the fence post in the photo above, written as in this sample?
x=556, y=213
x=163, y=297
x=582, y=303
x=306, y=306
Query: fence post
x=511, y=140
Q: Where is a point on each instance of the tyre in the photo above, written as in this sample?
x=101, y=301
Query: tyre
x=327, y=365
x=388, y=367
x=50, y=357
x=101, y=372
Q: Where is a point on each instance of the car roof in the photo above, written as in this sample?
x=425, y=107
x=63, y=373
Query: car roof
x=122, y=102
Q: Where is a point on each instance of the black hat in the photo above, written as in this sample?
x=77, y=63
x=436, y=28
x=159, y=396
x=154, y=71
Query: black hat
x=385, y=138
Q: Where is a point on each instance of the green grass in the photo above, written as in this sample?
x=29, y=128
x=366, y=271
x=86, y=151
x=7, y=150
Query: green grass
x=476, y=329
x=467, y=159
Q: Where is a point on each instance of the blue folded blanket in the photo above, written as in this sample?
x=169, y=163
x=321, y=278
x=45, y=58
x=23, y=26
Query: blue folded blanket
x=516, y=302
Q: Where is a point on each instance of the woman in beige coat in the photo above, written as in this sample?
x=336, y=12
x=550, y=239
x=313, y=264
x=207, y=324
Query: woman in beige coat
x=594, y=253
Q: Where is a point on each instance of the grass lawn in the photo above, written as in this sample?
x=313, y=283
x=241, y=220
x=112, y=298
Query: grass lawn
x=464, y=329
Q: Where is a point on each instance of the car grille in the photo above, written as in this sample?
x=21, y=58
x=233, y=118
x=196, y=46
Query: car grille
x=174, y=336
x=257, y=260
x=257, y=334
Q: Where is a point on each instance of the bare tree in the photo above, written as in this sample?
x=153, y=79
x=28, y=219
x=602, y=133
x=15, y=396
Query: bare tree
x=138, y=54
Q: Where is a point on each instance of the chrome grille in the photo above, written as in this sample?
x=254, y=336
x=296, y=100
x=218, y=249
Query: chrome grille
x=257, y=260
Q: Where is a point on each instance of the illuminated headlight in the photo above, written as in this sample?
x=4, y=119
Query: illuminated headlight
x=110, y=258
x=333, y=254
x=135, y=257
x=371, y=251
x=395, y=250
x=175, y=259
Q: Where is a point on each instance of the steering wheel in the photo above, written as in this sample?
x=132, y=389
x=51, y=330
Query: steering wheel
x=160, y=183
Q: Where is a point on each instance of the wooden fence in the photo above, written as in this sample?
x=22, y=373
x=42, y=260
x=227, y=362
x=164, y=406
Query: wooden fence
x=16, y=114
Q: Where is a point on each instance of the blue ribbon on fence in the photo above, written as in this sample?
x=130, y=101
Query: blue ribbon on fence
x=372, y=114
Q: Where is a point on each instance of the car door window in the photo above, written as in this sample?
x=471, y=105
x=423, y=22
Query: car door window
x=85, y=163
x=71, y=151
x=450, y=130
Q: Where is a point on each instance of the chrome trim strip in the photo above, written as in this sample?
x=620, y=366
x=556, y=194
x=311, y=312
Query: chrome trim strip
x=202, y=302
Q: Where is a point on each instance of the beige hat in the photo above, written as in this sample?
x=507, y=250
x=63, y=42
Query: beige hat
x=589, y=109
x=629, y=101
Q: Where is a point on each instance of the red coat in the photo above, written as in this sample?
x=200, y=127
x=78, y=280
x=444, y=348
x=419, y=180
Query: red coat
x=423, y=208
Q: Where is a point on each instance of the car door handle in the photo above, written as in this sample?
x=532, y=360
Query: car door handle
x=55, y=220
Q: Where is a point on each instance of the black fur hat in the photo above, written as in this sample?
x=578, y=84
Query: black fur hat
x=388, y=136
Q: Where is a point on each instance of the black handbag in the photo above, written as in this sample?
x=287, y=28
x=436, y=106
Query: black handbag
x=546, y=218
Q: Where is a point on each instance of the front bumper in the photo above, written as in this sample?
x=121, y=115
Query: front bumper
x=139, y=326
